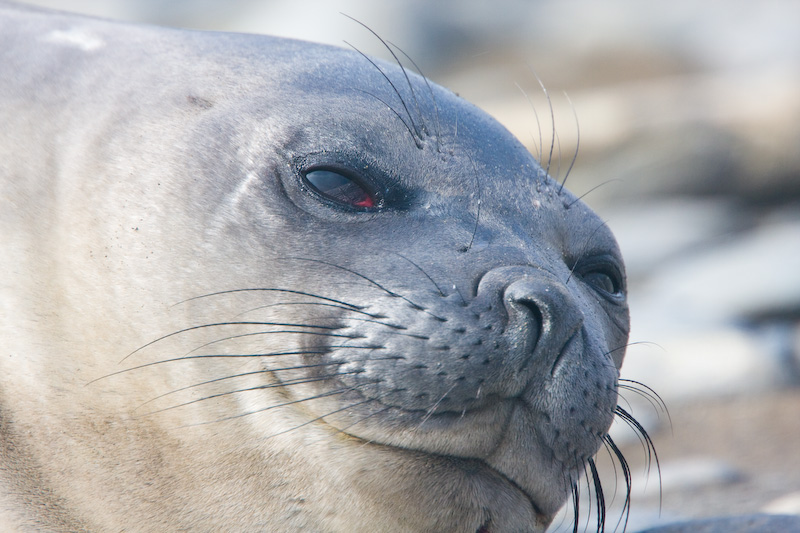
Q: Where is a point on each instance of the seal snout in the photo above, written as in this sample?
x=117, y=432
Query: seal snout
x=542, y=317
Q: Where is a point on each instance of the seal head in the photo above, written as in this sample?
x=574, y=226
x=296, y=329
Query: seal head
x=343, y=298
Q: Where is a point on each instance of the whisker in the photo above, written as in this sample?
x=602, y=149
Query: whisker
x=626, y=472
x=376, y=284
x=250, y=389
x=402, y=69
x=552, y=120
x=438, y=288
x=234, y=356
x=393, y=110
x=345, y=408
x=207, y=356
x=222, y=324
x=648, y=444
x=577, y=143
x=416, y=138
x=433, y=96
x=480, y=201
x=540, y=148
x=598, y=492
x=579, y=198
x=280, y=331
x=430, y=411
x=318, y=304
x=270, y=289
x=268, y=371
x=293, y=402
x=576, y=508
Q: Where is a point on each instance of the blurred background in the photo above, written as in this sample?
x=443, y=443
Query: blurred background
x=689, y=121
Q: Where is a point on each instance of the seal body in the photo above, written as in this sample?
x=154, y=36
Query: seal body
x=257, y=284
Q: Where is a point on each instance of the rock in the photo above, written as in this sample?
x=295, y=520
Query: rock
x=789, y=504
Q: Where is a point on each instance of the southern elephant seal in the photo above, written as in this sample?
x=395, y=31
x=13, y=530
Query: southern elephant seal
x=257, y=284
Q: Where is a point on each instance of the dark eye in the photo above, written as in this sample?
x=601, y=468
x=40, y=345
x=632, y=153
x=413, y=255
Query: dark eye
x=340, y=188
x=602, y=281
x=601, y=275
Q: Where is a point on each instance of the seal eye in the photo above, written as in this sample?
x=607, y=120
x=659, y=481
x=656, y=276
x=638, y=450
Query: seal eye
x=340, y=188
x=602, y=275
x=602, y=281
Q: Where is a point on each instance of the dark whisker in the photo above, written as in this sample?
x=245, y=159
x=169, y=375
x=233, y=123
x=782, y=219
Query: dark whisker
x=648, y=444
x=540, y=148
x=208, y=356
x=433, y=96
x=345, y=408
x=417, y=137
x=478, y=190
x=223, y=324
x=438, y=288
x=402, y=69
x=280, y=331
x=250, y=389
x=598, y=492
x=393, y=110
x=285, y=404
x=552, y=121
x=270, y=289
x=241, y=375
x=577, y=143
x=579, y=198
x=576, y=508
x=292, y=402
x=376, y=284
x=626, y=473
x=647, y=393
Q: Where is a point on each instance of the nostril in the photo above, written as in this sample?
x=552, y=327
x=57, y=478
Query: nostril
x=530, y=306
x=526, y=320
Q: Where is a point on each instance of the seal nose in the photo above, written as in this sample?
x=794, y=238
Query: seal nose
x=542, y=318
